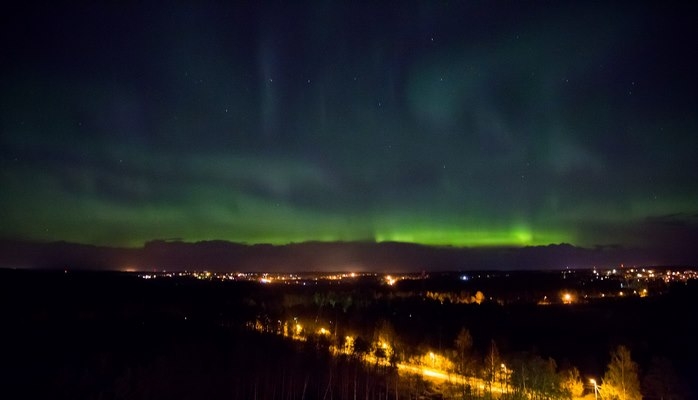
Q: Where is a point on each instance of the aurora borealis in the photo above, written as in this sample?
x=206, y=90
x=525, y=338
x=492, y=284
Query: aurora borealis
x=471, y=124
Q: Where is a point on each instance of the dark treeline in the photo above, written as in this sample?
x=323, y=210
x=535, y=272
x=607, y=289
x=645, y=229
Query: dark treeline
x=323, y=256
x=111, y=335
x=581, y=335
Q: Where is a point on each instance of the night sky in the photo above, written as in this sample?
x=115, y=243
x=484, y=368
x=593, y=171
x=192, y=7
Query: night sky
x=474, y=123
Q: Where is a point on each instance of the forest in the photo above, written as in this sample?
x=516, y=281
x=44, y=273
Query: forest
x=115, y=336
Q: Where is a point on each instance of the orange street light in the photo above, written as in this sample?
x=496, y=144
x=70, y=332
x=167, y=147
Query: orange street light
x=596, y=388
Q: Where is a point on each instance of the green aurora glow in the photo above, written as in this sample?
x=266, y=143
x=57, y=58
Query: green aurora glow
x=448, y=124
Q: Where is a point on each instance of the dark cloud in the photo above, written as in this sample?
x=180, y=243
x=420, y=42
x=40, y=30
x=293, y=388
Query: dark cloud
x=465, y=124
x=175, y=255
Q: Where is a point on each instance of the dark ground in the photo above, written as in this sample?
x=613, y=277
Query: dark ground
x=102, y=335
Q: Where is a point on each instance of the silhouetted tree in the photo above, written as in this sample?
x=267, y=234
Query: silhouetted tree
x=492, y=365
x=385, y=339
x=361, y=347
x=464, y=358
x=662, y=383
x=544, y=381
x=621, y=379
x=571, y=384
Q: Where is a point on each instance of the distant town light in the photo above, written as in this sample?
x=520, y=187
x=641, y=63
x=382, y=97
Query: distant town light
x=567, y=298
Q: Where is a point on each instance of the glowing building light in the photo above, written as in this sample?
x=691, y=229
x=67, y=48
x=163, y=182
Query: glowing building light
x=567, y=298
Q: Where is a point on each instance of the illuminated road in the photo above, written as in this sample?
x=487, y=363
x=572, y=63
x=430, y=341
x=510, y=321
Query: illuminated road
x=427, y=372
x=439, y=376
x=435, y=375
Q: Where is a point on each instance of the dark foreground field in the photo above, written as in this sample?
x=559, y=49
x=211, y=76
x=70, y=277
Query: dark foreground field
x=116, y=336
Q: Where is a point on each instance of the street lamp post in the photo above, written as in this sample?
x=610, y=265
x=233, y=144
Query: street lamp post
x=596, y=388
x=503, y=377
